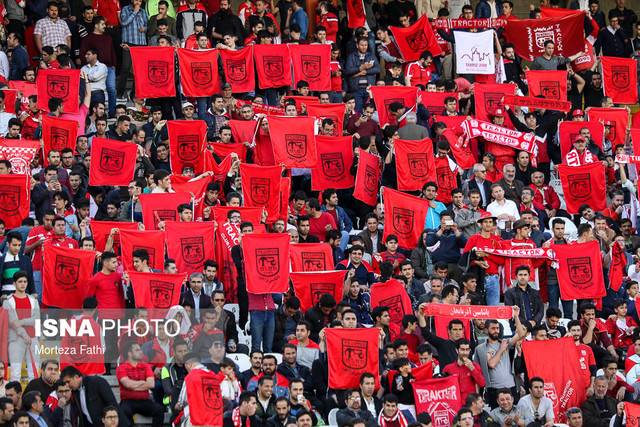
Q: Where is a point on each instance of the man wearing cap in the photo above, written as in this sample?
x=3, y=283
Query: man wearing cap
x=188, y=111
x=480, y=259
x=579, y=155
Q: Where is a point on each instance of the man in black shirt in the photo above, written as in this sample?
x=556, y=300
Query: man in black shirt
x=46, y=383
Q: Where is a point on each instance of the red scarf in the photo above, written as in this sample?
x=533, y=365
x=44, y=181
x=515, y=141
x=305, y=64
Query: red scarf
x=501, y=135
x=236, y=418
x=398, y=420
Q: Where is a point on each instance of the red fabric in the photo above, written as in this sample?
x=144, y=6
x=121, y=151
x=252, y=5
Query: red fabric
x=619, y=78
x=263, y=149
x=158, y=207
x=392, y=294
x=334, y=112
x=383, y=96
x=205, y=398
x=530, y=101
x=460, y=149
x=455, y=311
x=227, y=236
x=548, y=84
x=100, y=231
x=500, y=139
x=20, y=153
x=351, y=353
x=311, y=257
x=632, y=411
x=583, y=184
x=266, y=261
x=273, y=65
x=417, y=38
x=57, y=83
x=440, y=397
x=356, y=16
x=367, y=178
x=58, y=134
x=196, y=189
x=447, y=179
x=198, y=72
x=224, y=150
x=152, y=241
x=569, y=131
x=15, y=198
x=564, y=383
x=156, y=290
x=89, y=363
x=285, y=191
x=441, y=325
x=617, y=267
x=64, y=275
x=405, y=216
x=311, y=64
x=238, y=69
x=10, y=97
x=488, y=97
x=580, y=270
x=261, y=187
x=187, y=139
x=253, y=215
x=415, y=163
x=585, y=61
x=25, y=90
x=154, y=71
x=310, y=286
x=619, y=117
x=529, y=35
x=190, y=244
x=335, y=157
x=301, y=102
x=244, y=131
x=112, y=162
x=434, y=101
x=293, y=141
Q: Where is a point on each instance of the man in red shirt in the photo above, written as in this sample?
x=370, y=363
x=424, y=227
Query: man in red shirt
x=319, y=222
x=419, y=72
x=587, y=359
x=136, y=380
x=58, y=237
x=468, y=371
x=33, y=246
x=486, y=238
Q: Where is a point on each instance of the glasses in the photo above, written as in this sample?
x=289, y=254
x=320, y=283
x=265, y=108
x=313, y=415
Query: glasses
x=218, y=300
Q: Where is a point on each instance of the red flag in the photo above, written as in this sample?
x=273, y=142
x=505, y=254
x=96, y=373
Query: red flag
x=154, y=71
x=441, y=326
x=156, y=290
x=335, y=157
x=87, y=362
x=619, y=78
x=417, y=38
x=619, y=117
x=586, y=60
x=10, y=97
x=58, y=83
x=351, y=353
x=244, y=131
x=334, y=112
x=460, y=149
x=415, y=163
x=311, y=64
x=405, y=216
x=635, y=140
x=261, y=187
x=223, y=150
x=285, y=191
x=488, y=97
x=20, y=152
x=158, y=207
x=205, y=398
x=253, y=215
x=529, y=35
x=151, y=241
x=632, y=412
x=583, y=185
x=367, y=178
x=356, y=16
x=301, y=102
x=266, y=260
x=238, y=69
x=100, y=231
x=569, y=131
x=422, y=372
x=617, y=267
x=273, y=65
x=434, y=101
x=293, y=141
x=58, y=134
x=440, y=397
x=15, y=198
x=264, y=149
x=112, y=162
x=25, y=90
x=384, y=96
x=548, y=84
x=310, y=286
x=580, y=270
x=65, y=275
x=455, y=311
x=187, y=139
x=198, y=72
x=196, y=189
x=311, y=257
x=227, y=236
x=393, y=295
x=564, y=382
x=190, y=244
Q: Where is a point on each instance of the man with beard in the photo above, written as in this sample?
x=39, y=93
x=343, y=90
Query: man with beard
x=49, y=374
x=447, y=348
x=224, y=22
x=280, y=382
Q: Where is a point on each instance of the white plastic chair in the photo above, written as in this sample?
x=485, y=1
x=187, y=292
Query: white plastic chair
x=333, y=417
x=240, y=359
x=235, y=309
x=278, y=357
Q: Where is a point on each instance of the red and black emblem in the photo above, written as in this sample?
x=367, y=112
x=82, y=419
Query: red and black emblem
x=620, y=76
x=150, y=251
x=201, y=72
x=9, y=198
x=332, y=164
x=370, y=179
x=580, y=185
x=161, y=293
x=67, y=271
x=402, y=221
x=446, y=181
x=580, y=270
x=158, y=72
x=313, y=261
x=236, y=70
x=492, y=101
x=311, y=65
x=396, y=309
x=550, y=89
x=192, y=249
x=319, y=289
x=211, y=393
x=273, y=66
x=188, y=147
x=58, y=86
x=418, y=41
x=418, y=164
x=355, y=353
x=58, y=138
x=268, y=261
x=296, y=145
x=111, y=161
x=259, y=190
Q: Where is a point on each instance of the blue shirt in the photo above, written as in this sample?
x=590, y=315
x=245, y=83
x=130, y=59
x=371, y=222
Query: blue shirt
x=432, y=221
x=300, y=17
x=131, y=23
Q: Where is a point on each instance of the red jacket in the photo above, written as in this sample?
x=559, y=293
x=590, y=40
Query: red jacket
x=545, y=196
x=468, y=378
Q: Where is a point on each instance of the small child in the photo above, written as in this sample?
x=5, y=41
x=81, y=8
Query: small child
x=621, y=326
x=230, y=386
x=392, y=255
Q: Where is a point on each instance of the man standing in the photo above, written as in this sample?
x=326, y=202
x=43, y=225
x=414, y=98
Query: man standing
x=51, y=30
x=102, y=43
x=469, y=372
x=525, y=297
x=92, y=394
x=97, y=74
x=361, y=69
x=133, y=19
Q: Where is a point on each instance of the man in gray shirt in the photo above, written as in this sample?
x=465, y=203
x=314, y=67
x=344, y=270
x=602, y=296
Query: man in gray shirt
x=549, y=61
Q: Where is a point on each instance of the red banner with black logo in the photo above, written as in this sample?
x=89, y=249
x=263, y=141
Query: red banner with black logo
x=15, y=198
x=266, y=261
x=261, y=187
x=293, y=141
x=619, y=118
x=393, y=295
x=59, y=83
x=384, y=96
x=548, y=84
x=569, y=131
x=156, y=290
x=238, y=69
x=335, y=157
x=334, y=112
x=356, y=16
x=311, y=64
x=204, y=397
x=89, y=363
x=187, y=139
x=351, y=353
x=311, y=257
x=620, y=79
x=580, y=270
x=439, y=397
x=101, y=230
x=310, y=286
x=244, y=131
x=58, y=134
x=584, y=185
x=564, y=381
x=227, y=236
x=367, y=178
x=190, y=244
x=415, y=163
x=154, y=71
x=434, y=101
x=488, y=97
x=65, y=275
x=417, y=38
x=405, y=215
x=273, y=65
x=158, y=207
x=198, y=72
x=151, y=241
x=112, y=162
x=20, y=152
x=528, y=35
x=538, y=103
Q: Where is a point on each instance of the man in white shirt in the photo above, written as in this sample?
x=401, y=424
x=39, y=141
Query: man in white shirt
x=96, y=73
x=505, y=210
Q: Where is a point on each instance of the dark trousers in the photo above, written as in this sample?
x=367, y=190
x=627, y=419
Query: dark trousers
x=148, y=408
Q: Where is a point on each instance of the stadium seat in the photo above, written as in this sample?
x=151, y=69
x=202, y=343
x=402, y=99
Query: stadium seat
x=278, y=357
x=332, y=417
x=242, y=360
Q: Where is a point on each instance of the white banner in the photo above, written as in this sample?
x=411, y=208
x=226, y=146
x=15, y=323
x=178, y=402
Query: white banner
x=474, y=52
